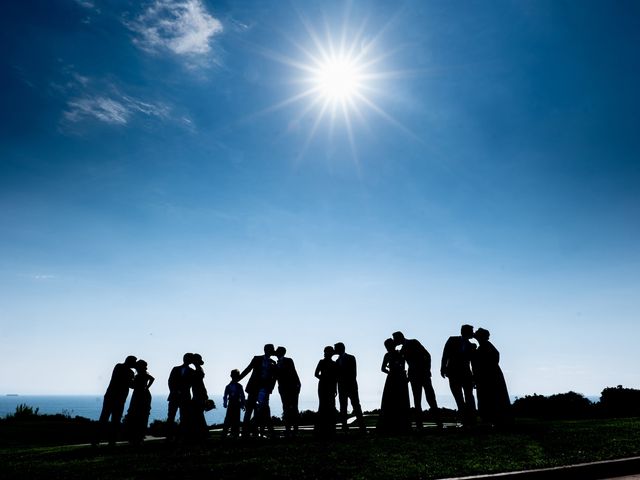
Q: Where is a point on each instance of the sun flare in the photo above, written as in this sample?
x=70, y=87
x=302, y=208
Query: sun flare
x=339, y=79
x=341, y=75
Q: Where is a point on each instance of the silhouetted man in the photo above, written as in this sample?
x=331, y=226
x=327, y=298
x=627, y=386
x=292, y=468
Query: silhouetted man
x=347, y=386
x=115, y=398
x=419, y=374
x=289, y=388
x=259, y=387
x=180, y=381
x=456, y=366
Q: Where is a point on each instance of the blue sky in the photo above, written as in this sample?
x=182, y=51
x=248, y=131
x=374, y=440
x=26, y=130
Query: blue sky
x=164, y=189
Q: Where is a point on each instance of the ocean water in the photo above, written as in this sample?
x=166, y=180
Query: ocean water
x=89, y=406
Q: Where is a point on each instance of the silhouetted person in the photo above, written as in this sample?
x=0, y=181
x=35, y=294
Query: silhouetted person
x=259, y=387
x=494, y=404
x=289, y=389
x=233, y=400
x=394, y=408
x=348, y=386
x=418, y=359
x=115, y=398
x=180, y=381
x=140, y=405
x=327, y=374
x=456, y=366
x=198, y=427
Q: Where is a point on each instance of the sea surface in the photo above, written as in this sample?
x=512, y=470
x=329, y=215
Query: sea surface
x=89, y=406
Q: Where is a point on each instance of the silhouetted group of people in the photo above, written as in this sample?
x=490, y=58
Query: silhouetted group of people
x=406, y=362
x=464, y=364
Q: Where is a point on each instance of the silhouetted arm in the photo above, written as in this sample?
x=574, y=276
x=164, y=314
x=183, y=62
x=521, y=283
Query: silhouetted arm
x=295, y=375
x=150, y=380
x=225, y=396
x=317, y=373
x=445, y=359
x=385, y=363
x=246, y=370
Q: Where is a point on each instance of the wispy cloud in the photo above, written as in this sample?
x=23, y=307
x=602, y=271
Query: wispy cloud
x=182, y=27
x=102, y=108
x=90, y=99
x=85, y=3
x=114, y=111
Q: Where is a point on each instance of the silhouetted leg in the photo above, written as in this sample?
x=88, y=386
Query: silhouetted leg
x=357, y=409
x=116, y=416
x=469, y=400
x=249, y=408
x=430, y=394
x=416, y=390
x=343, y=398
x=171, y=419
x=103, y=421
x=295, y=411
x=456, y=390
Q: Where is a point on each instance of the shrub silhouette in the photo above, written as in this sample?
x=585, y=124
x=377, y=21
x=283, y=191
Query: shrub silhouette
x=620, y=402
x=570, y=405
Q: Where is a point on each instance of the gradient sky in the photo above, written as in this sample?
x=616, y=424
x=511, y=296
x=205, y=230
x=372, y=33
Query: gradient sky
x=162, y=190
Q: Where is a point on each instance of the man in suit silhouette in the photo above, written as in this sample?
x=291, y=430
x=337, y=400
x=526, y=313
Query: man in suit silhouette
x=259, y=387
x=456, y=366
x=348, y=386
x=115, y=398
x=419, y=373
x=180, y=381
x=289, y=388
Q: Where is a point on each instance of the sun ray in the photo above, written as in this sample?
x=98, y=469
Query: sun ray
x=341, y=77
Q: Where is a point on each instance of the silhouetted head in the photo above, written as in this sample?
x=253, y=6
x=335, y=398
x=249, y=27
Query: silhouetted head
x=339, y=348
x=280, y=352
x=196, y=359
x=187, y=358
x=130, y=361
x=269, y=349
x=390, y=344
x=235, y=374
x=398, y=338
x=466, y=331
x=329, y=351
x=141, y=366
x=482, y=335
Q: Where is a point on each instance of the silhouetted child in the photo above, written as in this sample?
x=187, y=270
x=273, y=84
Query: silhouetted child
x=233, y=400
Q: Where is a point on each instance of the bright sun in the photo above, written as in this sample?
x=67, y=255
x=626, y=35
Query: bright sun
x=341, y=77
x=338, y=79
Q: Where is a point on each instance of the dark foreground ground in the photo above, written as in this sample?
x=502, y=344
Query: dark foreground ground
x=433, y=454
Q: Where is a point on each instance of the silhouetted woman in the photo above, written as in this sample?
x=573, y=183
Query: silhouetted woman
x=198, y=429
x=394, y=409
x=327, y=374
x=493, y=398
x=140, y=406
